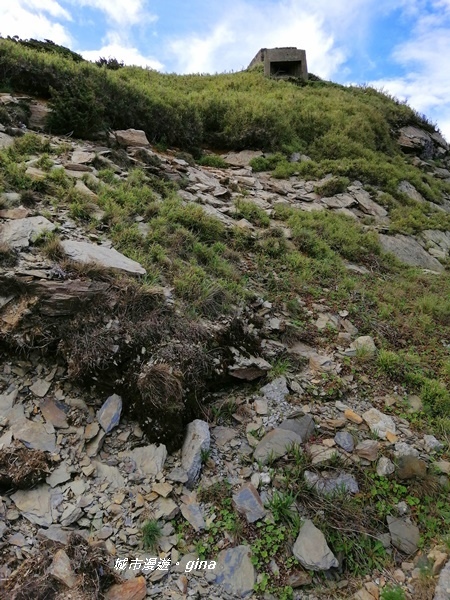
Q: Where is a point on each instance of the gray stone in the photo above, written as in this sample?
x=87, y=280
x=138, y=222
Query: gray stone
x=249, y=368
x=61, y=569
x=84, y=252
x=55, y=533
x=59, y=475
x=367, y=205
x=81, y=157
x=275, y=391
x=404, y=449
x=95, y=445
x=407, y=188
x=248, y=502
x=365, y=343
x=241, y=159
x=311, y=549
x=235, y=571
x=149, y=459
x=5, y=140
x=165, y=508
x=34, y=436
x=379, y=423
x=442, y=591
x=223, y=435
x=71, y=515
x=329, y=484
x=368, y=449
x=35, y=504
x=275, y=444
x=321, y=454
x=197, y=439
x=131, y=137
x=385, y=467
x=432, y=444
x=345, y=440
x=109, y=414
x=409, y=251
x=40, y=387
x=405, y=536
x=19, y=233
x=110, y=474
x=303, y=426
x=193, y=514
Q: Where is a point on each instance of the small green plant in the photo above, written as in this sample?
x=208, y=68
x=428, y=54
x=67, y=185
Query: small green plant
x=151, y=534
x=393, y=592
x=252, y=212
x=205, y=454
x=282, y=507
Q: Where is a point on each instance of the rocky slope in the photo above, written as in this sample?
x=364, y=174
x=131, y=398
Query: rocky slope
x=98, y=435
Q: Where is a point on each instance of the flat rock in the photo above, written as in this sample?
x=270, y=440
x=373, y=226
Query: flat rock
x=149, y=459
x=84, y=252
x=321, y=363
x=407, y=188
x=109, y=414
x=55, y=533
x=61, y=569
x=379, y=423
x=35, y=504
x=20, y=232
x=409, y=252
x=81, y=157
x=241, y=159
x=275, y=444
x=193, y=514
x=223, y=435
x=385, y=467
x=339, y=201
x=311, y=549
x=329, y=483
x=40, y=387
x=5, y=140
x=34, y=436
x=235, y=571
x=275, y=391
x=248, y=502
x=59, y=475
x=110, y=474
x=368, y=449
x=364, y=342
x=405, y=536
x=54, y=413
x=304, y=426
x=249, y=368
x=133, y=589
x=14, y=213
x=197, y=439
x=345, y=440
x=131, y=137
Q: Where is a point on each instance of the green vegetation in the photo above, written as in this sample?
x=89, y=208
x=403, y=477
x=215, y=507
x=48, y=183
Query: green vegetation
x=151, y=534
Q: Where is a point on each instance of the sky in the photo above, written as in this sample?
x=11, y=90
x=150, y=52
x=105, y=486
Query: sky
x=399, y=46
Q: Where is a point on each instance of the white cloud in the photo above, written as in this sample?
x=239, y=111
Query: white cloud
x=426, y=82
x=232, y=42
x=121, y=13
x=34, y=19
x=122, y=52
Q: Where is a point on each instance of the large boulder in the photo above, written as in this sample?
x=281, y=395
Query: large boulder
x=409, y=252
x=84, y=252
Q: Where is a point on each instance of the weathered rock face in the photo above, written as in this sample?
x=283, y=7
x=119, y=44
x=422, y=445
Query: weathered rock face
x=131, y=137
x=275, y=444
x=84, y=252
x=235, y=571
x=197, y=441
x=311, y=549
x=405, y=536
x=20, y=232
x=410, y=252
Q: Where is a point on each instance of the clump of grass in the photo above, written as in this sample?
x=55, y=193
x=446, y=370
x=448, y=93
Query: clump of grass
x=332, y=186
x=151, y=534
x=393, y=592
x=50, y=244
x=252, y=212
x=8, y=257
x=213, y=160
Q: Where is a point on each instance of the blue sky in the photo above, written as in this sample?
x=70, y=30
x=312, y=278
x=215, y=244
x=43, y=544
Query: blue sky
x=401, y=46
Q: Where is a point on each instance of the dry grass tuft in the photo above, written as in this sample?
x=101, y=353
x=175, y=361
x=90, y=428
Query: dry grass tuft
x=21, y=468
x=8, y=257
x=161, y=387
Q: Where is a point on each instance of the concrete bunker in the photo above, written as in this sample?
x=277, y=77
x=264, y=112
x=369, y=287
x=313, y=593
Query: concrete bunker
x=282, y=62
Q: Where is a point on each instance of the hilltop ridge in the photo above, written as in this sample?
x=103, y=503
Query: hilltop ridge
x=225, y=335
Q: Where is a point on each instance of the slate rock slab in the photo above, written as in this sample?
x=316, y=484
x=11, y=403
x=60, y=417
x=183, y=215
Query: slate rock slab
x=248, y=502
x=35, y=504
x=304, y=426
x=20, y=232
x=345, y=440
x=149, y=459
x=34, y=436
x=197, y=439
x=109, y=414
x=275, y=391
x=405, y=536
x=275, y=444
x=442, y=591
x=379, y=423
x=235, y=571
x=84, y=252
x=409, y=252
x=311, y=549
